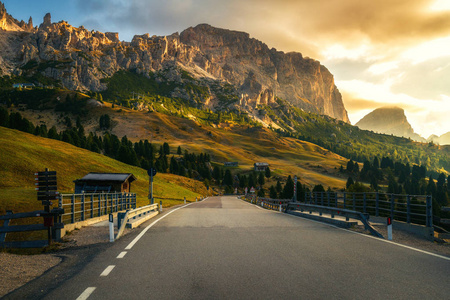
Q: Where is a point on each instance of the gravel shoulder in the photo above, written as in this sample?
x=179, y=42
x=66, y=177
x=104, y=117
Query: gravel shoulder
x=17, y=270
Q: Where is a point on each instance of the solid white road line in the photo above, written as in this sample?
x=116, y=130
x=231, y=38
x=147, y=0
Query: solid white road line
x=122, y=254
x=362, y=234
x=130, y=245
x=376, y=238
x=87, y=292
x=107, y=270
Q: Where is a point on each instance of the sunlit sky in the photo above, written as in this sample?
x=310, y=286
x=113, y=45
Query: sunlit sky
x=381, y=52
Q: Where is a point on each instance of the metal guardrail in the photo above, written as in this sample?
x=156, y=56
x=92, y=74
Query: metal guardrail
x=136, y=213
x=363, y=217
x=79, y=207
x=415, y=209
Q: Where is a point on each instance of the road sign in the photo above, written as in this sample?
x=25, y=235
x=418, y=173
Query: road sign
x=46, y=186
x=151, y=172
x=252, y=190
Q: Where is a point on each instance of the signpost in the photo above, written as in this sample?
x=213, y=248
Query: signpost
x=46, y=187
x=151, y=172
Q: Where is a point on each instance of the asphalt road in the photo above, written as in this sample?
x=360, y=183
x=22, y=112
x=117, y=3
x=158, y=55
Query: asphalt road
x=225, y=248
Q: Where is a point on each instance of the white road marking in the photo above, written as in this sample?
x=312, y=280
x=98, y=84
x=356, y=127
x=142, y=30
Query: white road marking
x=107, y=270
x=365, y=235
x=87, y=292
x=122, y=254
x=130, y=245
x=376, y=238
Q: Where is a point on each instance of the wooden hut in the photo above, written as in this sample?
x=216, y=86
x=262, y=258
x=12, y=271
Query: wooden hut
x=105, y=183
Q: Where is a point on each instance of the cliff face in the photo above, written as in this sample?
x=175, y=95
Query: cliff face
x=79, y=59
x=262, y=73
x=389, y=120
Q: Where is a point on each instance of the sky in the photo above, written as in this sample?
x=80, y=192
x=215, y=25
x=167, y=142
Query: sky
x=381, y=52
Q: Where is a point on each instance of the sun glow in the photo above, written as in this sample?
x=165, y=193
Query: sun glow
x=440, y=5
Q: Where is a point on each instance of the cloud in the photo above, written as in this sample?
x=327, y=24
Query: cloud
x=382, y=52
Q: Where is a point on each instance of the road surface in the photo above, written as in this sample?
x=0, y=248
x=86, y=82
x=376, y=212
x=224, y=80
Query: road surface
x=225, y=248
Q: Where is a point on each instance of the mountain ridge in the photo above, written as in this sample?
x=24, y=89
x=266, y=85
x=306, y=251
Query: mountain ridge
x=80, y=59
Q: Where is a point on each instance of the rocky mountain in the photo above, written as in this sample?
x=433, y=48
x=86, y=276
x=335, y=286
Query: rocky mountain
x=441, y=140
x=79, y=59
x=389, y=120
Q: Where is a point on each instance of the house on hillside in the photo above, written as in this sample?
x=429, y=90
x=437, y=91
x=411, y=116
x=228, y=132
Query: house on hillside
x=104, y=182
x=231, y=164
x=260, y=166
x=28, y=86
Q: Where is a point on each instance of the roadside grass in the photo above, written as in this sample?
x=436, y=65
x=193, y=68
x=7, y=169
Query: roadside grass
x=24, y=154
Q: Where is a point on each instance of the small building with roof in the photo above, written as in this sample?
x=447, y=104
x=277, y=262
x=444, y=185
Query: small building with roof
x=105, y=183
x=260, y=166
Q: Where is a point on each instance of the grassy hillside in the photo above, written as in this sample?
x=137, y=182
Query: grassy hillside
x=22, y=154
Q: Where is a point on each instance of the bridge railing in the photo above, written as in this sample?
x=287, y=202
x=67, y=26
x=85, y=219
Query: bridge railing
x=411, y=209
x=416, y=209
x=80, y=207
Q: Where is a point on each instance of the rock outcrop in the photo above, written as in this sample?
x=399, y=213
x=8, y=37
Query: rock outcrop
x=79, y=59
x=389, y=120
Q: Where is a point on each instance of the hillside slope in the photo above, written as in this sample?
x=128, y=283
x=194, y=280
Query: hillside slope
x=22, y=154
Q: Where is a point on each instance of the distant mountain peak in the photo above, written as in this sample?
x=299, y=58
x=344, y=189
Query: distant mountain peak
x=389, y=120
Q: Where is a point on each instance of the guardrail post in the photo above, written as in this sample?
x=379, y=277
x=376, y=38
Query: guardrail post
x=328, y=199
x=321, y=198
x=160, y=206
x=5, y=224
x=184, y=200
x=82, y=207
x=364, y=203
x=72, y=219
x=99, y=206
x=336, y=199
x=392, y=206
x=429, y=211
x=92, y=205
x=345, y=204
x=354, y=201
x=345, y=200
x=408, y=209
x=377, y=204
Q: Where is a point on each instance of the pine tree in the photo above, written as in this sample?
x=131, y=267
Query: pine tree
x=261, y=179
x=228, y=178
x=273, y=192
x=288, y=190
x=267, y=173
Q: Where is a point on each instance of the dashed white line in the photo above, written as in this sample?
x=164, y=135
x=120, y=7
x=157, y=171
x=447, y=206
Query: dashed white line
x=130, y=245
x=122, y=254
x=107, y=270
x=87, y=292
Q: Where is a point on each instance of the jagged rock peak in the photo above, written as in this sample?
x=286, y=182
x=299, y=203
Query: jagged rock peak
x=8, y=23
x=47, y=20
